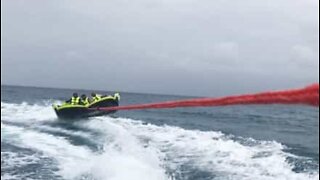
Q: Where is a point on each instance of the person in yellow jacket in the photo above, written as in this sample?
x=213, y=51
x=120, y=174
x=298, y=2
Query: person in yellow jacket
x=75, y=99
x=85, y=100
x=95, y=97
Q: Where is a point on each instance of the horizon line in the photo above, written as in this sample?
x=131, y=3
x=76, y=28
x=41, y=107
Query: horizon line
x=84, y=89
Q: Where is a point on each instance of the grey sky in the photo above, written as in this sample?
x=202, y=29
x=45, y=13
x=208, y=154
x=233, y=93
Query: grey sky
x=196, y=47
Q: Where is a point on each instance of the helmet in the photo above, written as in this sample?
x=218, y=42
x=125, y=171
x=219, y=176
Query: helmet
x=93, y=94
x=75, y=95
x=83, y=96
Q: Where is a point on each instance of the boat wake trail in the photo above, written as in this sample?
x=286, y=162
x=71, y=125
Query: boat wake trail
x=36, y=145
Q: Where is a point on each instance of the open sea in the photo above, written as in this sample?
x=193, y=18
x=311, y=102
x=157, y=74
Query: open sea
x=249, y=142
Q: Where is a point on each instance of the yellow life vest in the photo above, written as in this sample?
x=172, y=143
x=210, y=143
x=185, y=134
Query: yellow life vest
x=85, y=101
x=75, y=100
x=96, y=98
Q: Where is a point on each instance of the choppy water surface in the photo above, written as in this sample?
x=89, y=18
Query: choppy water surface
x=236, y=142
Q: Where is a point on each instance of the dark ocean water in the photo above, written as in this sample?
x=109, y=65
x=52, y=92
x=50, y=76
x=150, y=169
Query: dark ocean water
x=236, y=142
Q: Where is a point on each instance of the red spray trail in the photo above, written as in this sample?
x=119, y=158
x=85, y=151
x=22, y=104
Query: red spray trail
x=305, y=96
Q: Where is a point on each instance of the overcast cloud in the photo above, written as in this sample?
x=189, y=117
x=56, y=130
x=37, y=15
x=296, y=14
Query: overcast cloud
x=195, y=47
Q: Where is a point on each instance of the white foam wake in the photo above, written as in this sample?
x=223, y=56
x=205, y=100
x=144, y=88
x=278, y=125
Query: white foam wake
x=120, y=159
x=25, y=112
x=208, y=151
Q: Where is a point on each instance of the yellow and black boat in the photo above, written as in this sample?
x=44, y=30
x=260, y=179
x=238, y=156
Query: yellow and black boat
x=69, y=111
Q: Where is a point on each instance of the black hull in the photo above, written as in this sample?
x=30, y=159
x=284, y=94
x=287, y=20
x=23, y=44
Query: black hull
x=79, y=111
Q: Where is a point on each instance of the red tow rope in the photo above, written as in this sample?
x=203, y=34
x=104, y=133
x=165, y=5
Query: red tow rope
x=305, y=96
